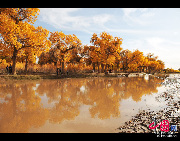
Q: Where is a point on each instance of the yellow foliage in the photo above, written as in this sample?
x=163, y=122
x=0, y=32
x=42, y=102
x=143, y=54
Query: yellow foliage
x=19, y=35
x=3, y=64
x=106, y=48
x=22, y=42
x=170, y=70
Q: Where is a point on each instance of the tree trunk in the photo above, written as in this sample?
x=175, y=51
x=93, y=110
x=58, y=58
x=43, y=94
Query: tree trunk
x=102, y=66
x=14, y=61
x=63, y=67
x=105, y=71
x=117, y=70
x=55, y=64
x=149, y=70
x=26, y=65
x=98, y=67
x=123, y=68
x=62, y=63
x=108, y=66
x=94, y=67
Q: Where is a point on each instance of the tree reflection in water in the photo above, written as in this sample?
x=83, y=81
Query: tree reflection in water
x=21, y=106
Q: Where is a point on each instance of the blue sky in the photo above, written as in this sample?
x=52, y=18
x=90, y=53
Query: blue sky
x=155, y=30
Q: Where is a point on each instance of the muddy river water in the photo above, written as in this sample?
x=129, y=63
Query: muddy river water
x=75, y=105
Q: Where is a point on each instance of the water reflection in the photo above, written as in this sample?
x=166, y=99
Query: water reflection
x=20, y=108
x=22, y=103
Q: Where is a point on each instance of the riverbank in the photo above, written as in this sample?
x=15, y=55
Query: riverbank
x=43, y=76
x=78, y=75
x=171, y=110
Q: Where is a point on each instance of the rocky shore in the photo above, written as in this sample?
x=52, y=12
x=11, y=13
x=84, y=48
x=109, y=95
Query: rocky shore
x=171, y=110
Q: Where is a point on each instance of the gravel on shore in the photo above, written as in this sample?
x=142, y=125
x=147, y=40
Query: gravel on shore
x=171, y=111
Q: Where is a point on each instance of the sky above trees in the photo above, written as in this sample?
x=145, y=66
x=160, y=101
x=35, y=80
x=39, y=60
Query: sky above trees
x=154, y=30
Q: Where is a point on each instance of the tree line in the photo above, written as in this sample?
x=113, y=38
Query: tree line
x=21, y=41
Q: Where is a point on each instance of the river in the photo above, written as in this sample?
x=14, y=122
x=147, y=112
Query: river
x=75, y=105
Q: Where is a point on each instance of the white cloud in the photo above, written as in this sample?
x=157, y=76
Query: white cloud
x=101, y=19
x=155, y=41
x=58, y=17
x=128, y=11
x=63, y=18
x=137, y=15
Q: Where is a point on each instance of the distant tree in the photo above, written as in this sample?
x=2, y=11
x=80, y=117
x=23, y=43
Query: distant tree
x=63, y=45
x=126, y=56
x=105, y=49
x=136, y=60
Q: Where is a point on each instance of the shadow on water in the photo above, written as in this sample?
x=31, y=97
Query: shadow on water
x=30, y=104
